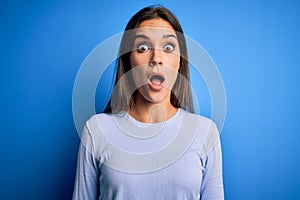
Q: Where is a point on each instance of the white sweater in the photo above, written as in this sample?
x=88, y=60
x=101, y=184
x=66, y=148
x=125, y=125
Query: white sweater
x=121, y=158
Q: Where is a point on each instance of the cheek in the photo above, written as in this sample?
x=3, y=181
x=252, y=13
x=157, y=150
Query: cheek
x=132, y=60
x=138, y=69
x=171, y=77
x=139, y=76
x=174, y=62
x=138, y=59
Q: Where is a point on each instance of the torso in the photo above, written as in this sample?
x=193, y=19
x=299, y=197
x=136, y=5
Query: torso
x=180, y=179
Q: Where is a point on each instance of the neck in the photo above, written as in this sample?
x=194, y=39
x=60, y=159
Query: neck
x=148, y=112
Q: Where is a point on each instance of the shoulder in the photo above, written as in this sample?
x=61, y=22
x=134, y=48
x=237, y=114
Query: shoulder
x=96, y=126
x=99, y=121
x=207, y=134
x=100, y=124
x=99, y=117
x=203, y=122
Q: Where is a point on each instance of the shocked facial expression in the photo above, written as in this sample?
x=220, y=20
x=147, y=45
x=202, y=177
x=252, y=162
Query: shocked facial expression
x=155, y=59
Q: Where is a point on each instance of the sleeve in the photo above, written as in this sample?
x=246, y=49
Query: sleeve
x=212, y=179
x=87, y=174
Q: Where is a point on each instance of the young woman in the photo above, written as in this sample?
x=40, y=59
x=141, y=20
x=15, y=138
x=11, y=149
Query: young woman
x=122, y=156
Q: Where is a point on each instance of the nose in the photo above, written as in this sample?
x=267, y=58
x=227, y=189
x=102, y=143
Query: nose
x=156, y=57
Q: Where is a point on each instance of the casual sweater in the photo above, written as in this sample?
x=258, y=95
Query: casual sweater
x=122, y=158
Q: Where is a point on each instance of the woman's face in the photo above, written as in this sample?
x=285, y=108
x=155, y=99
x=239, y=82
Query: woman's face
x=155, y=59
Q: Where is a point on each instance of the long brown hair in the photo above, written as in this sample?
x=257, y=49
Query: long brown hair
x=181, y=96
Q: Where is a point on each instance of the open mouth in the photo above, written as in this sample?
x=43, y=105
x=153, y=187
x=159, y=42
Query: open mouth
x=157, y=79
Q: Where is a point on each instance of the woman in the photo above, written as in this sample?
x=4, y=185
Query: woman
x=148, y=144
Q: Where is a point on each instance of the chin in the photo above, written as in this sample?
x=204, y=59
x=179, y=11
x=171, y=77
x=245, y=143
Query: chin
x=156, y=98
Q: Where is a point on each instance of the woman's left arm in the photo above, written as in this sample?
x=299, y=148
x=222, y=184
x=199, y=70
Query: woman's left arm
x=212, y=181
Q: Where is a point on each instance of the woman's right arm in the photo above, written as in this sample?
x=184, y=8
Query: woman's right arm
x=87, y=174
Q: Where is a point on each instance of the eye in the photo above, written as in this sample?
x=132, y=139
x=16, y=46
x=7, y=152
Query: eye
x=142, y=48
x=169, y=47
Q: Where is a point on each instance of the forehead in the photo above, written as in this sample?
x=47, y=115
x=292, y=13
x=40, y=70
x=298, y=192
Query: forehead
x=157, y=26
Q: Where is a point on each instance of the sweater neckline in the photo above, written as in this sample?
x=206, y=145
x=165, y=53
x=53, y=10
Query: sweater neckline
x=134, y=128
x=169, y=121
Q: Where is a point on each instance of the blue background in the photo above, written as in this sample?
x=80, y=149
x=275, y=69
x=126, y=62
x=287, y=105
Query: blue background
x=255, y=45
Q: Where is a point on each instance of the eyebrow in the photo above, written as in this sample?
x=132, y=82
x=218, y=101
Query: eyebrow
x=147, y=38
x=141, y=36
x=169, y=35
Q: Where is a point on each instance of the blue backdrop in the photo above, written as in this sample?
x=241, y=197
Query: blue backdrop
x=255, y=45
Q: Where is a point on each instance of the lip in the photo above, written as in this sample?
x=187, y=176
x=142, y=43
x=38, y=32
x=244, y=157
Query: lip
x=154, y=86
